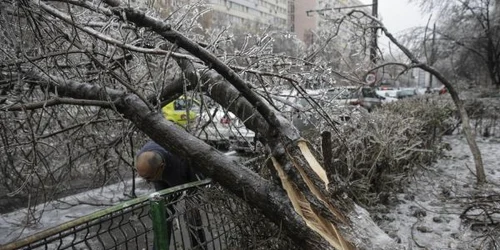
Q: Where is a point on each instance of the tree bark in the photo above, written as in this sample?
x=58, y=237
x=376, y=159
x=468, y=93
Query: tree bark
x=476, y=153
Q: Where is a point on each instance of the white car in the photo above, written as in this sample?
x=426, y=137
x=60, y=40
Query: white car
x=224, y=130
x=339, y=103
x=361, y=97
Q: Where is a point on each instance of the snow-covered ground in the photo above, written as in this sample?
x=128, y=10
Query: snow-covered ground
x=13, y=225
x=427, y=214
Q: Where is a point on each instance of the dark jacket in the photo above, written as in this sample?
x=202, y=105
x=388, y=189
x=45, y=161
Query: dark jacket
x=177, y=171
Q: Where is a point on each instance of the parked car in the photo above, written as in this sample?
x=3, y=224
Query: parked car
x=182, y=110
x=223, y=130
x=387, y=98
x=397, y=94
x=364, y=97
x=212, y=125
x=387, y=93
x=386, y=87
x=405, y=93
x=443, y=90
x=340, y=103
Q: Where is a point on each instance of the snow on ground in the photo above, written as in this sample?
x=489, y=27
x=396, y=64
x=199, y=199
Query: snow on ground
x=13, y=225
x=427, y=214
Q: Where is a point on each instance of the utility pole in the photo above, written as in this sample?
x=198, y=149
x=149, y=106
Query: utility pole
x=373, y=45
x=433, y=57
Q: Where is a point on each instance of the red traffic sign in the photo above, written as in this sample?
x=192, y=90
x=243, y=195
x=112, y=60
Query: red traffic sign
x=371, y=78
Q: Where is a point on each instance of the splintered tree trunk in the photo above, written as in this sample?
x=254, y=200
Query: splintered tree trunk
x=302, y=206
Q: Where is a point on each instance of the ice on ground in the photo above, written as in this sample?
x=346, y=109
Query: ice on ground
x=19, y=224
x=427, y=215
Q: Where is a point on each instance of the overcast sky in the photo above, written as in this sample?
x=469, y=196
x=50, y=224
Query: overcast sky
x=397, y=16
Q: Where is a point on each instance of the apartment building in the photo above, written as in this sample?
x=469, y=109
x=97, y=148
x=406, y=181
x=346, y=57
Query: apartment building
x=291, y=15
x=307, y=16
x=234, y=12
x=297, y=16
x=241, y=12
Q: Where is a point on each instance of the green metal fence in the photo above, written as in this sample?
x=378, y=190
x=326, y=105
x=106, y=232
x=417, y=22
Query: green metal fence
x=180, y=216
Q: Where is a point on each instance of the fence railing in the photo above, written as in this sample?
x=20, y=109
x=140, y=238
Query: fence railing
x=191, y=223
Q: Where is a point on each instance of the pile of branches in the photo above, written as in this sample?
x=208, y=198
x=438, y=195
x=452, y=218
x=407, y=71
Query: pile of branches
x=69, y=149
x=375, y=153
x=482, y=214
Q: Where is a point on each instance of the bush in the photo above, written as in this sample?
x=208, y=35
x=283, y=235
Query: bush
x=380, y=149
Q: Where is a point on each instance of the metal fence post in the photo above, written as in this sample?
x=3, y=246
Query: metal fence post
x=158, y=216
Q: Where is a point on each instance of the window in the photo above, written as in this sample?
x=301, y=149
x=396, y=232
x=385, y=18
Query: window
x=368, y=92
x=342, y=93
x=180, y=104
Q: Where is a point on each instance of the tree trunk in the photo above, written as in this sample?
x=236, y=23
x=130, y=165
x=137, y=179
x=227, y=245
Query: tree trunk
x=476, y=153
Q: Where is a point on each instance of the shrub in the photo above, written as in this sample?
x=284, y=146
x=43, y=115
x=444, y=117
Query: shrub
x=380, y=149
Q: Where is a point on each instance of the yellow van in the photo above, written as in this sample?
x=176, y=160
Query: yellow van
x=182, y=110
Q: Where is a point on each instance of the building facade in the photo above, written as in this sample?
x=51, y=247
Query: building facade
x=267, y=12
x=286, y=15
x=234, y=12
x=302, y=19
x=307, y=16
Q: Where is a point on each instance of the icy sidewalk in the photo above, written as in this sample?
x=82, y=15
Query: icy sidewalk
x=14, y=226
x=428, y=214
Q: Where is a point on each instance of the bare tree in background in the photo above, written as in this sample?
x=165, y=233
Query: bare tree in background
x=417, y=63
x=471, y=31
x=79, y=78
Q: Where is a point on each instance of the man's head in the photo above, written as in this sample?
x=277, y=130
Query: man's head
x=150, y=165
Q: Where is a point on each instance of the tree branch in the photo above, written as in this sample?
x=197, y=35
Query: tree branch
x=164, y=29
x=62, y=16
x=57, y=101
x=481, y=177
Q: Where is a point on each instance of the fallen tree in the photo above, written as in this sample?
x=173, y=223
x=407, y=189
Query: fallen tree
x=303, y=202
